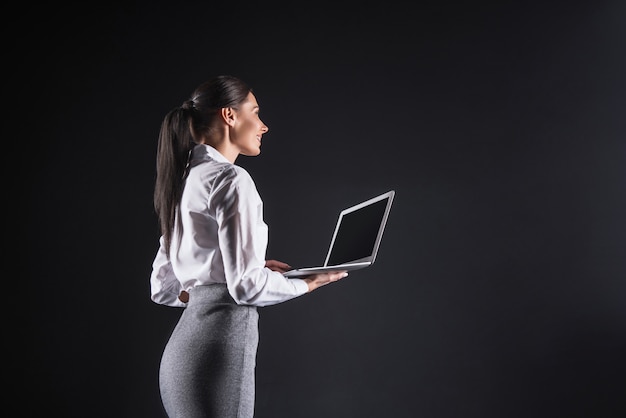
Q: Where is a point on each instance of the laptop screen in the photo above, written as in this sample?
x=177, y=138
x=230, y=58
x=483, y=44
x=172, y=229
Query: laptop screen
x=358, y=232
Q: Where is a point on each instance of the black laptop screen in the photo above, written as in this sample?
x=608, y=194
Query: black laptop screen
x=357, y=233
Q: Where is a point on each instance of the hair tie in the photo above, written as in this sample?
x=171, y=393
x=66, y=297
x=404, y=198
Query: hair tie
x=188, y=105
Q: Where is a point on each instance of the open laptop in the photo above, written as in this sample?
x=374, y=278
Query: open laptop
x=356, y=239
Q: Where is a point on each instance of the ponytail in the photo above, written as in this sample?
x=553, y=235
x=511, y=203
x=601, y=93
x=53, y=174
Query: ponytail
x=173, y=152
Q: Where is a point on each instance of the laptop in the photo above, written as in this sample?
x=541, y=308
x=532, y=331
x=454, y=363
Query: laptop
x=357, y=236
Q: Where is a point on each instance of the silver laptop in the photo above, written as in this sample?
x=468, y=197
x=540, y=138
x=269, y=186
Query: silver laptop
x=356, y=239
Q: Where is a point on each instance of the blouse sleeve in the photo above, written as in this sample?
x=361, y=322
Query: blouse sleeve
x=243, y=237
x=164, y=285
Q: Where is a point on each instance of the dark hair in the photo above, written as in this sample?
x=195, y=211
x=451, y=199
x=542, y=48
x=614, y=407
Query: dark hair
x=181, y=130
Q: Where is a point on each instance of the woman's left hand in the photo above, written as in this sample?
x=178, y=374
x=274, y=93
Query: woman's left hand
x=278, y=266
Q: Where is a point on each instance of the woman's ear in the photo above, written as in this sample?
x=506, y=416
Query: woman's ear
x=228, y=115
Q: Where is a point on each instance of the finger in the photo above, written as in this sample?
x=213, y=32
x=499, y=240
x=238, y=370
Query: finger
x=334, y=276
x=278, y=269
x=277, y=263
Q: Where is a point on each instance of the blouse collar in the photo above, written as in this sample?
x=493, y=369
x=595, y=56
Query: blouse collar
x=201, y=151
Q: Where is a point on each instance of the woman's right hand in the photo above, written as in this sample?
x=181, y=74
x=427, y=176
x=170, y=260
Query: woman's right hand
x=318, y=280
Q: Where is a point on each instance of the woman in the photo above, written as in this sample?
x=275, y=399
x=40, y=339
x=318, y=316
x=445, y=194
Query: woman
x=211, y=258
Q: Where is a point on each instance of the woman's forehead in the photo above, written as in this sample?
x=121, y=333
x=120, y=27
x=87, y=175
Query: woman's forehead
x=251, y=100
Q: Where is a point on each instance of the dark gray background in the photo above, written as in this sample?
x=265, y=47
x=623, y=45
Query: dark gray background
x=499, y=289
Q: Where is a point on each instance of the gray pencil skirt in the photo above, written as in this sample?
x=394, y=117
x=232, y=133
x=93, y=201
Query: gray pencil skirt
x=208, y=365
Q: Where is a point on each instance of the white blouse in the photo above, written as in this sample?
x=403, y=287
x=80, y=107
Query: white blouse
x=223, y=239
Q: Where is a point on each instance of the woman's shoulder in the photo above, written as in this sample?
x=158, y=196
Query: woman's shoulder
x=231, y=183
x=234, y=174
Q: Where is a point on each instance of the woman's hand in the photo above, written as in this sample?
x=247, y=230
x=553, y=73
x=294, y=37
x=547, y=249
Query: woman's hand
x=278, y=266
x=314, y=280
x=318, y=280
